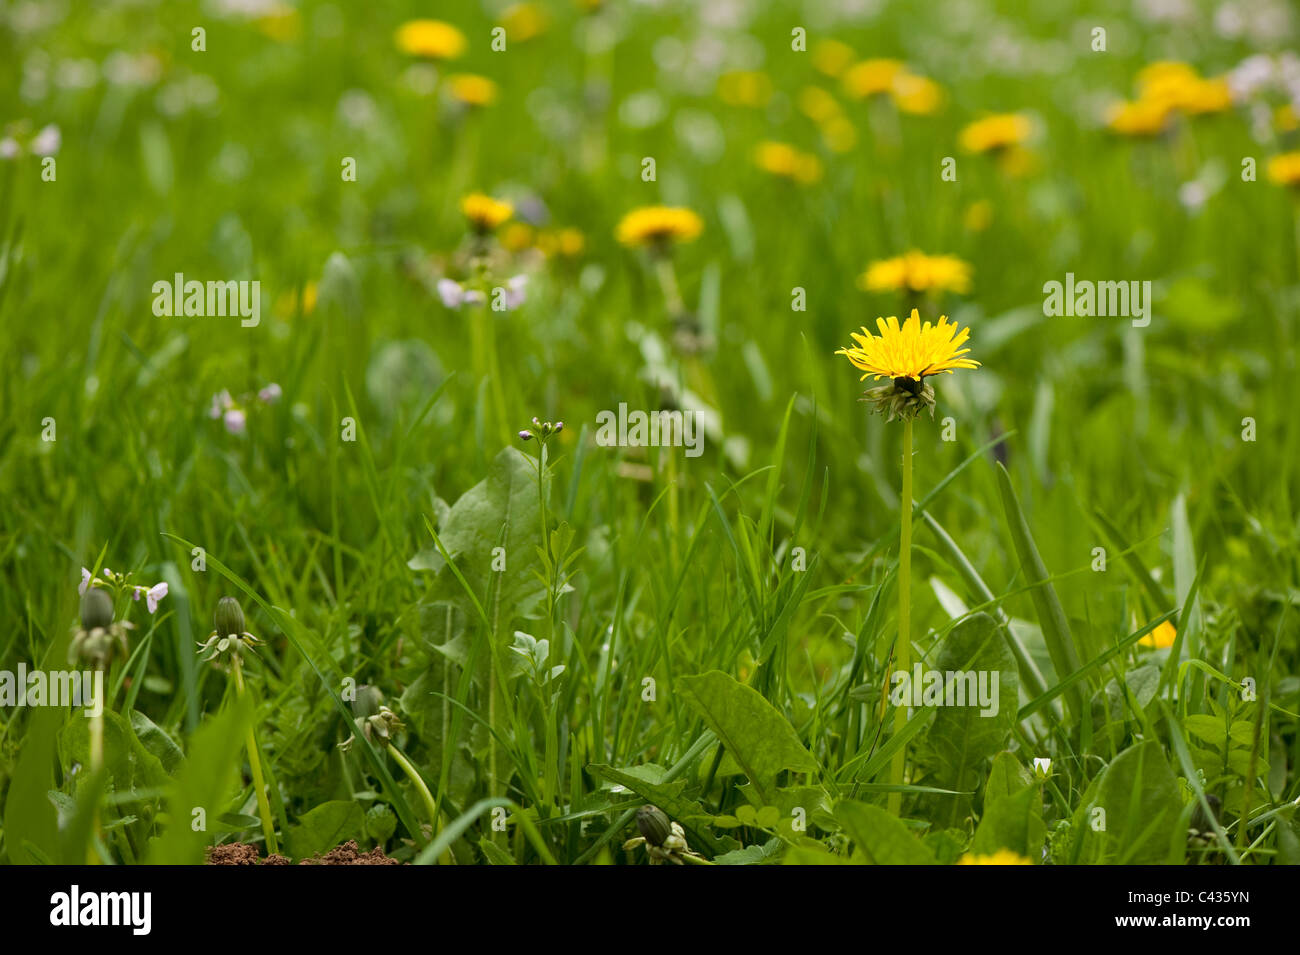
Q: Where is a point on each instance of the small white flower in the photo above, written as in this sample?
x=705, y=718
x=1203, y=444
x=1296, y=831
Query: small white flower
x=154, y=594
x=221, y=403
x=235, y=421
x=9, y=148
x=452, y=295
x=271, y=393
x=85, y=581
x=47, y=141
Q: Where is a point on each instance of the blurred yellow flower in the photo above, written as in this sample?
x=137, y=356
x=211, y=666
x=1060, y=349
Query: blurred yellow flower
x=472, y=89
x=1140, y=118
x=567, y=243
x=296, y=301
x=995, y=132
x=281, y=23
x=1176, y=85
x=523, y=21
x=430, y=38
x=912, y=351
x=915, y=94
x=657, y=225
x=832, y=57
x=1285, y=119
x=1285, y=169
x=784, y=160
x=818, y=105
x=1161, y=637
x=917, y=272
x=745, y=88
x=870, y=77
x=517, y=236
x=839, y=135
x=978, y=216
x=1001, y=857
x=485, y=213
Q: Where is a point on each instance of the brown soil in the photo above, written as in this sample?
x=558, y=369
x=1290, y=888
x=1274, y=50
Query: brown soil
x=241, y=853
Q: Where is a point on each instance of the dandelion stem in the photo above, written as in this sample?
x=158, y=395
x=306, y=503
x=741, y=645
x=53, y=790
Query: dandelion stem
x=96, y=764
x=903, y=645
x=667, y=276
x=417, y=780
x=255, y=764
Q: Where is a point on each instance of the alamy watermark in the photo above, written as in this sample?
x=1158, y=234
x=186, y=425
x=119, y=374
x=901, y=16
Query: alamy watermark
x=946, y=688
x=1085, y=299
x=75, y=688
x=650, y=429
x=208, y=299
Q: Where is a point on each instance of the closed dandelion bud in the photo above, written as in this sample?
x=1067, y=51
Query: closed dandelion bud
x=96, y=609
x=653, y=825
x=229, y=617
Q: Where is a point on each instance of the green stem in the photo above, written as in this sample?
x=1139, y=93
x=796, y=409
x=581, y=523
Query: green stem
x=255, y=764
x=417, y=780
x=903, y=646
x=96, y=764
x=667, y=276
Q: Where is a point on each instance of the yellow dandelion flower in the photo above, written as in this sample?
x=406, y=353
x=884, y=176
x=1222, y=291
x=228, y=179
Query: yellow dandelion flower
x=918, y=95
x=1001, y=857
x=910, y=351
x=871, y=77
x=1143, y=117
x=472, y=89
x=745, y=88
x=1154, y=75
x=485, y=213
x=517, y=236
x=784, y=160
x=832, y=57
x=570, y=242
x=1161, y=637
x=657, y=225
x=1207, y=96
x=1285, y=169
x=997, y=132
x=818, y=105
x=430, y=38
x=523, y=21
x=839, y=135
x=917, y=272
x=294, y=301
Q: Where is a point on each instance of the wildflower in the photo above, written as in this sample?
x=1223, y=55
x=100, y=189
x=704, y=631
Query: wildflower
x=871, y=77
x=1140, y=118
x=236, y=421
x=1000, y=857
x=151, y=595
x=910, y=351
x=996, y=133
x=918, y=95
x=1159, y=638
x=485, y=213
x=659, y=225
x=432, y=39
x=567, y=242
x=543, y=431
x=454, y=295
x=917, y=272
x=87, y=578
x=1285, y=169
x=270, y=394
x=665, y=841
x=523, y=21
x=472, y=89
x=832, y=57
x=228, y=632
x=818, y=105
x=745, y=88
x=784, y=160
x=518, y=236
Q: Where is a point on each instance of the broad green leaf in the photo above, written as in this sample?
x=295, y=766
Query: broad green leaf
x=1140, y=803
x=881, y=837
x=758, y=737
x=204, y=782
x=328, y=825
x=1012, y=822
x=961, y=738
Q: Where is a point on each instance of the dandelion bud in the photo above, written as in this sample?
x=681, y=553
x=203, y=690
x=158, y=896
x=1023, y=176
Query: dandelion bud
x=229, y=618
x=653, y=825
x=96, y=609
x=370, y=699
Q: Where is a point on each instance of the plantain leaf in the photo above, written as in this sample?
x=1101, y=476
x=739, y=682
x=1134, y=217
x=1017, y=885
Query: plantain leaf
x=1133, y=815
x=758, y=737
